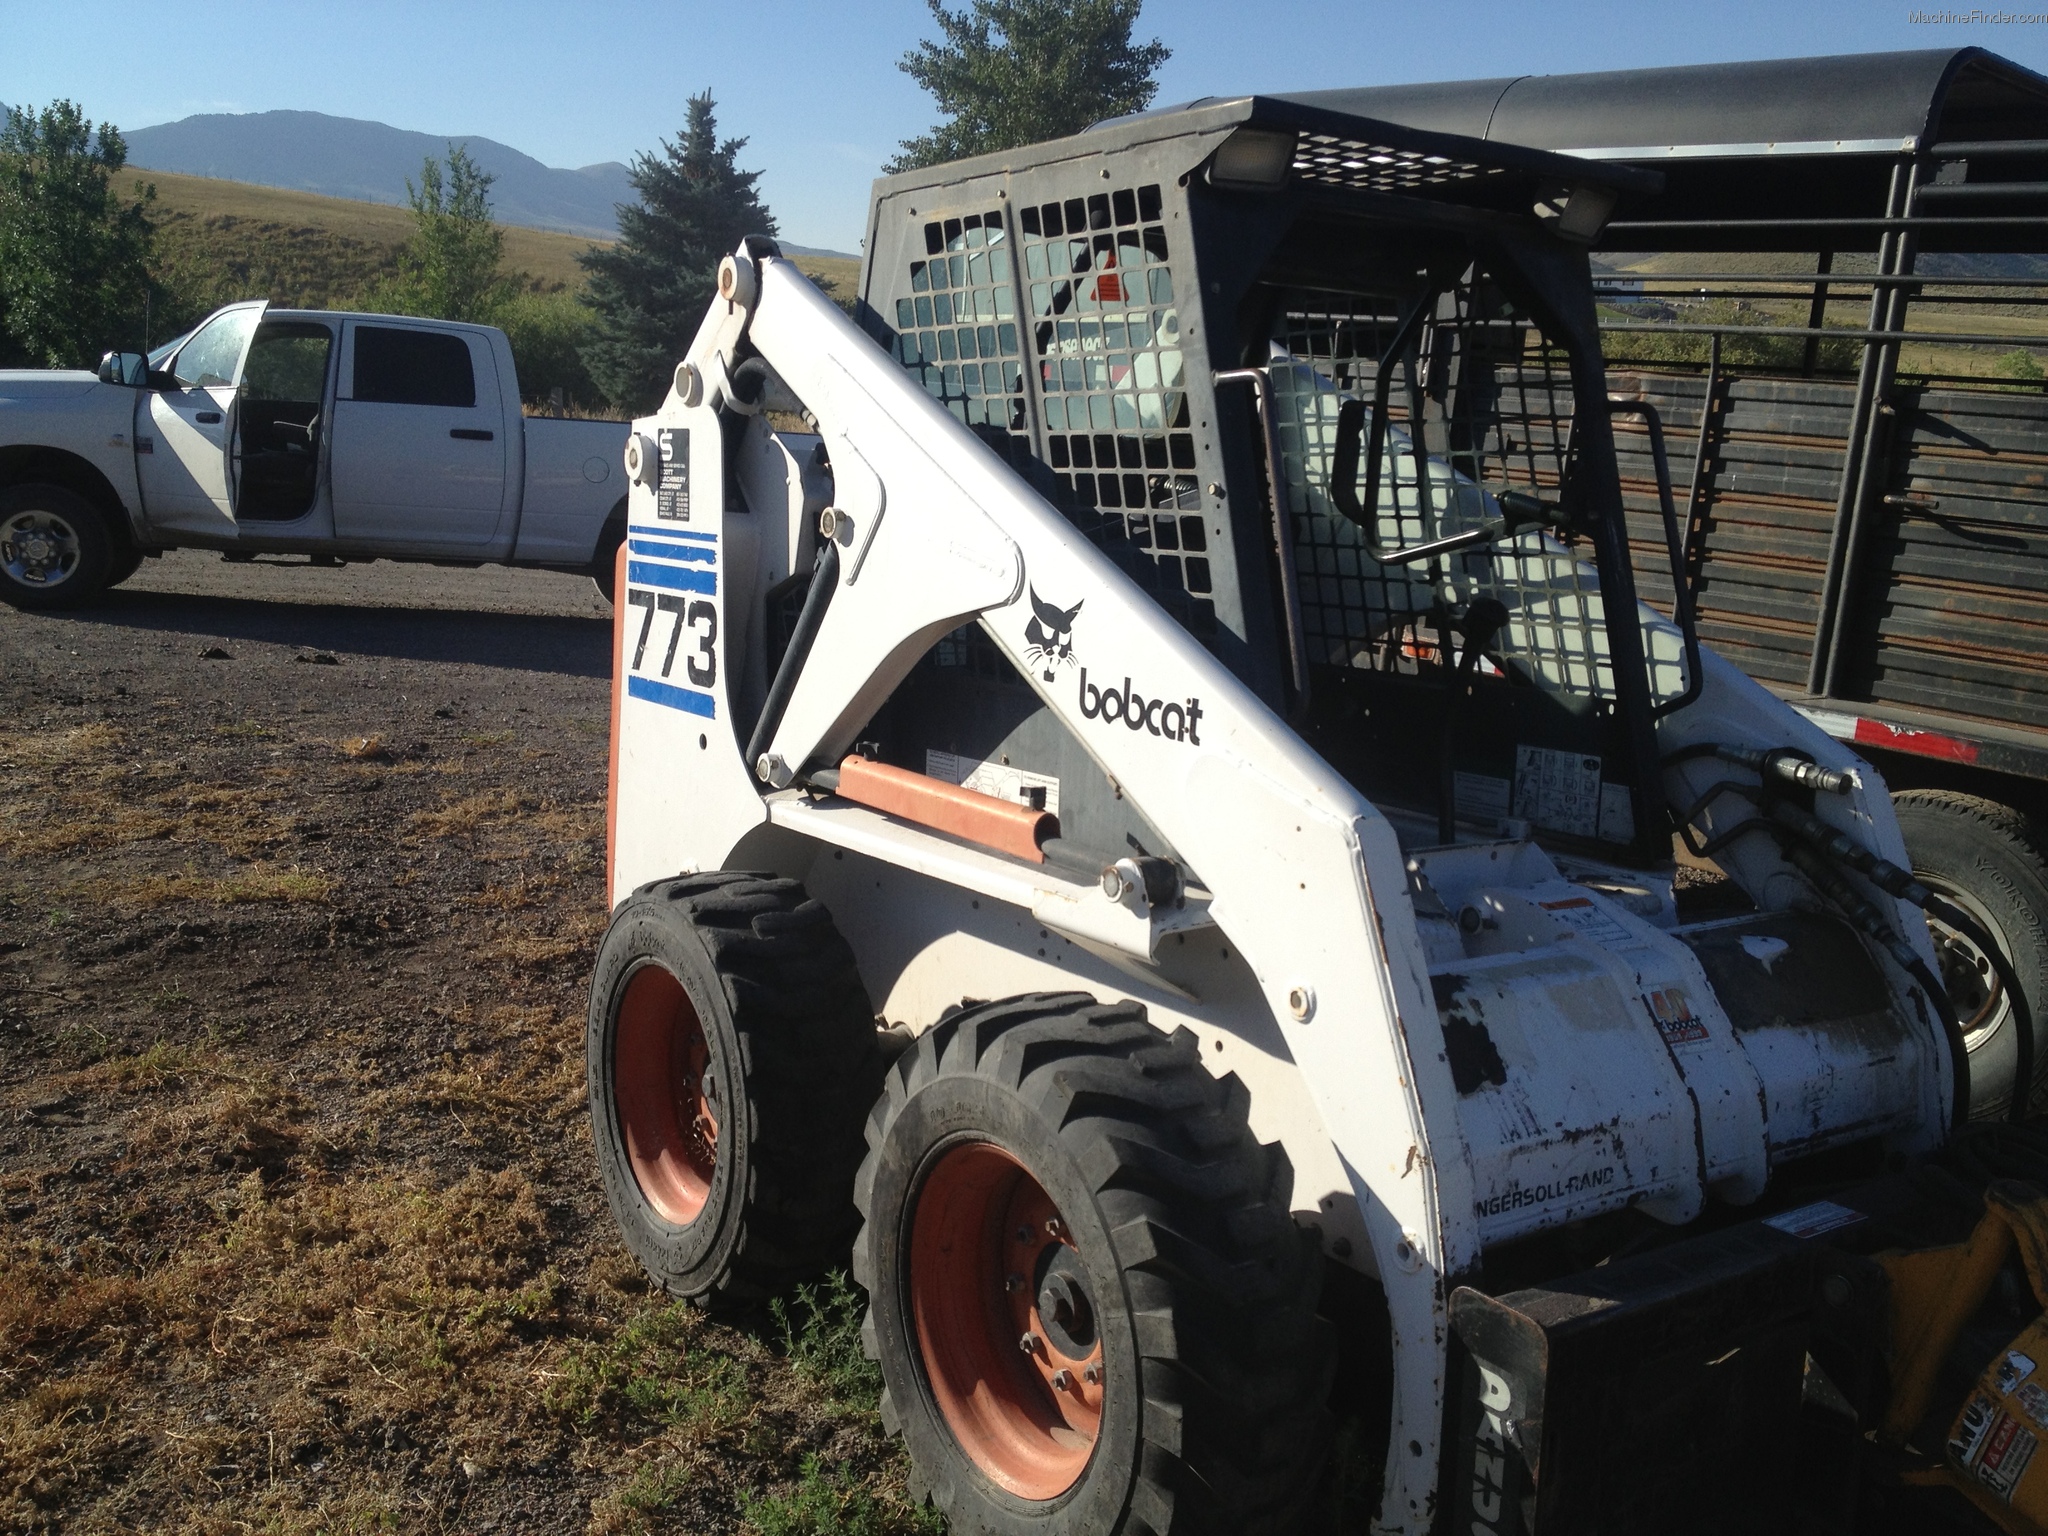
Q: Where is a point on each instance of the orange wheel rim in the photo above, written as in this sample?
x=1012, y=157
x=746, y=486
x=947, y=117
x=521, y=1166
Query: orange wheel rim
x=1006, y=1323
x=662, y=1086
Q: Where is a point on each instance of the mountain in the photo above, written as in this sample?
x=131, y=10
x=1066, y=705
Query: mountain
x=370, y=162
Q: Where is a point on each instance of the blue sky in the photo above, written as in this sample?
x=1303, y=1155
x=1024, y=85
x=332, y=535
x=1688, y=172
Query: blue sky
x=813, y=86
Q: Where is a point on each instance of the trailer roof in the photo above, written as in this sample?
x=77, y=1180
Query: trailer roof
x=1775, y=154
x=1848, y=103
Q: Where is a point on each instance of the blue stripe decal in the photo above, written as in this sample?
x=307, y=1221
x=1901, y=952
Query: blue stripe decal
x=675, y=533
x=675, y=578
x=697, y=552
x=687, y=699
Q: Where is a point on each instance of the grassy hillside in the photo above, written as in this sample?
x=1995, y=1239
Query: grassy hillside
x=230, y=240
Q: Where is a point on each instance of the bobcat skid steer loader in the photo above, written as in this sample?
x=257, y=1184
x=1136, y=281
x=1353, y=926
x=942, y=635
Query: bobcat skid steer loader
x=1142, y=807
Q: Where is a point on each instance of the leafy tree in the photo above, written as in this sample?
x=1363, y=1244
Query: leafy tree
x=649, y=292
x=74, y=255
x=448, y=269
x=1012, y=72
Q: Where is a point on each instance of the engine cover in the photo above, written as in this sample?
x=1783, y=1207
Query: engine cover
x=1603, y=1061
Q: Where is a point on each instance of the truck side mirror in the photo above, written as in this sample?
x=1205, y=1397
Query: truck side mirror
x=129, y=368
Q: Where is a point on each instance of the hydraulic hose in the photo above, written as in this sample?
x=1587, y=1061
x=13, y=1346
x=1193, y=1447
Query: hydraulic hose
x=824, y=582
x=1863, y=912
x=1894, y=881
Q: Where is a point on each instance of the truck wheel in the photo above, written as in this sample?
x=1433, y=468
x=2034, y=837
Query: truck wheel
x=1091, y=1308
x=604, y=568
x=55, y=551
x=1988, y=861
x=732, y=1059
x=124, y=566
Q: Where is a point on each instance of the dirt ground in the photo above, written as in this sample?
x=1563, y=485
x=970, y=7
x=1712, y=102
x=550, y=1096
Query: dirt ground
x=300, y=876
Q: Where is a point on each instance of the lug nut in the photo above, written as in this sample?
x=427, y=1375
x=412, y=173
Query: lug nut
x=1054, y=1226
x=1013, y=1283
x=1092, y=1374
x=1063, y=1381
x=1028, y=1344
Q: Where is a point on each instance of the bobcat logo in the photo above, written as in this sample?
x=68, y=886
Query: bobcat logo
x=1049, y=636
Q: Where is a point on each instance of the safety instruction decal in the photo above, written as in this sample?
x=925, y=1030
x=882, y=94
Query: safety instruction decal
x=2012, y=1370
x=672, y=496
x=1588, y=919
x=1558, y=790
x=1040, y=791
x=1812, y=1220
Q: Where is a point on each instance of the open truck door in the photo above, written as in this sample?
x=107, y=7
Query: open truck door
x=186, y=426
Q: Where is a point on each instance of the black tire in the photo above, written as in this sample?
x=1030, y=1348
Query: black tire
x=1987, y=860
x=788, y=1067
x=604, y=568
x=1214, y=1370
x=72, y=553
x=124, y=566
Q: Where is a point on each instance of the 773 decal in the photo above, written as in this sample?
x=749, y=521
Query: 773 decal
x=672, y=650
x=700, y=617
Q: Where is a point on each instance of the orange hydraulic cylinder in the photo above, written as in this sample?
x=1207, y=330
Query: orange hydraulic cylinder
x=967, y=814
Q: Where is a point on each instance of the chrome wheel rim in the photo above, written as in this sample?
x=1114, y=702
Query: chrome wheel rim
x=1973, y=986
x=38, y=549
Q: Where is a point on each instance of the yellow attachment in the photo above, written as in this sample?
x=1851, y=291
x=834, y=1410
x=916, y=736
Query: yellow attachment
x=1934, y=1292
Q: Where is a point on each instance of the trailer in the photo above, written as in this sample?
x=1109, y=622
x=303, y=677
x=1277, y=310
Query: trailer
x=1816, y=304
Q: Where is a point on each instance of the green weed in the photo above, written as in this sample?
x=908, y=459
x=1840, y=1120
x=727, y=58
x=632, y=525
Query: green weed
x=825, y=1504
x=821, y=1335
x=648, y=1374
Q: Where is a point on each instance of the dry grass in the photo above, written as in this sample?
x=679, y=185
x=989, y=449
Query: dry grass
x=395, y=1299
x=466, y=814
x=341, y=228
x=301, y=1229
x=258, y=882
x=329, y=248
x=68, y=791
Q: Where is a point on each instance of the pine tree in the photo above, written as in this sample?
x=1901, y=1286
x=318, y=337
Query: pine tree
x=1013, y=72
x=651, y=289
x=74, y=256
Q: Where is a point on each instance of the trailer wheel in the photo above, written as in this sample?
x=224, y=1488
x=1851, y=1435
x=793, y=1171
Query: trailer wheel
x=732, y=1059
x=1091, y=1308
x=1987, y=860
x=55, y=550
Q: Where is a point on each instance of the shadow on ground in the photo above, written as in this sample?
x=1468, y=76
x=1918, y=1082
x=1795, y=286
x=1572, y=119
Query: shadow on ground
x=571, y=647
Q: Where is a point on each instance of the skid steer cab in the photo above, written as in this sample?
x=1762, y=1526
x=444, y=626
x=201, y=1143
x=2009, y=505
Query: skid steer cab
x=1142, y=809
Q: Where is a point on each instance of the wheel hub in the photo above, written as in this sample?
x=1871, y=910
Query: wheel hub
x=1966, y=971
x=38, y=548
x=1007, y=1324
x=1064, y=1305
x=666, y=1093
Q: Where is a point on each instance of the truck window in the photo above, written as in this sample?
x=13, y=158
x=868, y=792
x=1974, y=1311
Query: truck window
x=397, y=367
x=289, y=362
x=209, y=358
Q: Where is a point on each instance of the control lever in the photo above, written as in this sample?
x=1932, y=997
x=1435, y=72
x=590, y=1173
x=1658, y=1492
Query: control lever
x=1519, y=511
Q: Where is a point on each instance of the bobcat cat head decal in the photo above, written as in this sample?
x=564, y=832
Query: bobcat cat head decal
x=1049, y=636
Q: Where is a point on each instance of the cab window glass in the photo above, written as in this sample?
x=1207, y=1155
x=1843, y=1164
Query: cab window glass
x=396, y=367
x=209, y=358
x=288, y=361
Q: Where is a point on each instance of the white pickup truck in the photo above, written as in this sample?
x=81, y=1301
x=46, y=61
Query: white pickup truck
x=264, y=431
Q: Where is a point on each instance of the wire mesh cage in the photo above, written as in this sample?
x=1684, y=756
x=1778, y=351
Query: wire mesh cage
x=1478, y=403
